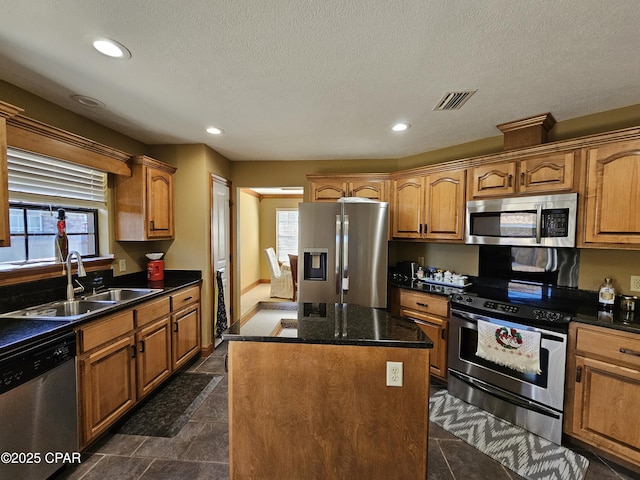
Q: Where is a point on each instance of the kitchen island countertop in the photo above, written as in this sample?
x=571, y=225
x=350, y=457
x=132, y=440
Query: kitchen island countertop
x=340, y=324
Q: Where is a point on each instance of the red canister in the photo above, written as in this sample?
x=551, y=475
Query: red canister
x=155, y=270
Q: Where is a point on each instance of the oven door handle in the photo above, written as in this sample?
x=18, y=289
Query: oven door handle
x=507, y=397
x=470, y=317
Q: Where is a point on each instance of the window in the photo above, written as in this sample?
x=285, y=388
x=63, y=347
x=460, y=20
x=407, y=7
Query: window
x=38, y=187
x=33, y=231
x=286, y=233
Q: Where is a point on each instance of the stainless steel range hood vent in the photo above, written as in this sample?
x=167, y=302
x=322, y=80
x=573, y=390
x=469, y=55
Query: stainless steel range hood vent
x=454, y=100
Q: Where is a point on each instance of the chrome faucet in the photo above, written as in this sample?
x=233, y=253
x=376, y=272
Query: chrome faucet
x=71, y=291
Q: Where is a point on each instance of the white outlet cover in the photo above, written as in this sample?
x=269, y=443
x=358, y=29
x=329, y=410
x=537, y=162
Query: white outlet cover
x=394, y=374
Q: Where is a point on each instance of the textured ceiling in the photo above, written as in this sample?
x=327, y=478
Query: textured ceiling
x=309, y=79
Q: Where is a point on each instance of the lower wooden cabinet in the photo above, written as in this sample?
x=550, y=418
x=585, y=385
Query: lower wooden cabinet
x=186, y=334
x=154, y=355
x=431, y=313
x=603, y=390
x=107, y=386
x=124, y=356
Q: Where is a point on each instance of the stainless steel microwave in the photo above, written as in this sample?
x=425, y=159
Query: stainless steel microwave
x=539, y=221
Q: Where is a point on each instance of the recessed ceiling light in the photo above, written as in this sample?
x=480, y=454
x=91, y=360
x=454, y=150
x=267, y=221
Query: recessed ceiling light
x=111, y=48
x=215, y=131
x=400, y=127
x=88, y=101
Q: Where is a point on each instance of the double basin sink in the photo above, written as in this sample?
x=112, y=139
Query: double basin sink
x=69, y=310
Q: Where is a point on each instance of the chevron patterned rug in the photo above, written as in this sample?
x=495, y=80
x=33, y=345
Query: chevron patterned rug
x=529, y=455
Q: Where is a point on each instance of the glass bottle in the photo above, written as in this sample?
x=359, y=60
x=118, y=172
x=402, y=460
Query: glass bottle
x=62, y=241
x=606, y=295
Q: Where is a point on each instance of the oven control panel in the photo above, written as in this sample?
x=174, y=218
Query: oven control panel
x=501, y=307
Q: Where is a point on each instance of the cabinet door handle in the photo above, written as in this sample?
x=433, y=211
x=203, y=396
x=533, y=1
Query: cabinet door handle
x=522, y=178
x=630, y=352
x=425, y=305
x=152, y=225
x=578, y=374
x=133, y=351
x=175, y=326
x=509, y=180
x=141, y=346
x=443, y=335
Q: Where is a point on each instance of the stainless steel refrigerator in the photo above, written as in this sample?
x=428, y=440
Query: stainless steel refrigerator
x=342, y=252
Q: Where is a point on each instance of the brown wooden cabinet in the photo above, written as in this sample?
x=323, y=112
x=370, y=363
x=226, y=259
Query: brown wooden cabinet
x=185, y=325
x=552, y=172
x=124, y=356
x=144, y=204
x=330, y=188
x=603, y=387
x=431, y=313
x=429, y=207
x=613, y=194
x=6, y=111
x=153, y=341
x=107, y=373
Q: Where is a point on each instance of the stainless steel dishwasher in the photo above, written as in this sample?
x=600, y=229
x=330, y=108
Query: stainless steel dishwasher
x=38, y=408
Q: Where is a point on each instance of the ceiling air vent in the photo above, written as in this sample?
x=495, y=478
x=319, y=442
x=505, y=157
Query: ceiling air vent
x=454, y=100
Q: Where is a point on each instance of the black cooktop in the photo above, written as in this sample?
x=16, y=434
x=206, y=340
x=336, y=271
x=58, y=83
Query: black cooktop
x=523, y=302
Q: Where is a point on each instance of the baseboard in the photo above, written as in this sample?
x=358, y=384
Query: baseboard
x=206, y=351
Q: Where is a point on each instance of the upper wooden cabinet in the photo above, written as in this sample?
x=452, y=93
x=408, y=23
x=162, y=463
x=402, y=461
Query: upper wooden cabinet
x=144, y=205
x=331, y=188
x=430, y=206
x=613, y=193
x=6, y=111
x=538, y=174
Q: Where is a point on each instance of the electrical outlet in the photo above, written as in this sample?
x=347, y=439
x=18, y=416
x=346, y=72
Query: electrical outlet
x=635, y=283
x=122, y=265
x=394, y=374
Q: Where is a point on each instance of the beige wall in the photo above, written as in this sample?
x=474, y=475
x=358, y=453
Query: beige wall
x=250, y=252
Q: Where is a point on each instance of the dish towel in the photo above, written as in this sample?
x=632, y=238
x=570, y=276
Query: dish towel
x=515, y=348
x=221, y=318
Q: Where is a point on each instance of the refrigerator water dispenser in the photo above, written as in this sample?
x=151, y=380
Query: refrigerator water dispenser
x=315, y=264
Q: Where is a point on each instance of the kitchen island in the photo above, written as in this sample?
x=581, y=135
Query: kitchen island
x=318, y=403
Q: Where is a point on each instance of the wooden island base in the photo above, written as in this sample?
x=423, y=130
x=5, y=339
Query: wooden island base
x=303, y=411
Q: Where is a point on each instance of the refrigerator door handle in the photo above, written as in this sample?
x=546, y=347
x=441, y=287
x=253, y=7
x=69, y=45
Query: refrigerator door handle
x=337, y=255
x=345, y=255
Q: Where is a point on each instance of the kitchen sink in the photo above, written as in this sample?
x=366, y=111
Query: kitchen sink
x=63, y=310
x=76, y=309
x=121, y=294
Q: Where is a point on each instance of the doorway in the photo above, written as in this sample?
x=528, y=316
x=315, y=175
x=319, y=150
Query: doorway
x=256, y=230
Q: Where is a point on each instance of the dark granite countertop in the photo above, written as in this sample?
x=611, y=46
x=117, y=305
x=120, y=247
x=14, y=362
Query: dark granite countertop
x=15, y=333
x=342, y=324
x=581, y=304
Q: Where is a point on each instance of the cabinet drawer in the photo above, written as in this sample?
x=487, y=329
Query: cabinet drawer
x=425, y=303
x=105, y=330
x=151, y=311
x=609, y=343
x=185, y=297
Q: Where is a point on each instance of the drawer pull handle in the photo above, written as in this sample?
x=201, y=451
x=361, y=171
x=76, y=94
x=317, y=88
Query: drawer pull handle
x=630, y=352
x=425, y=305
x=187, y=298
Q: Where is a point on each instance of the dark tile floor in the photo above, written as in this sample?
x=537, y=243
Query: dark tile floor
x=201, y=449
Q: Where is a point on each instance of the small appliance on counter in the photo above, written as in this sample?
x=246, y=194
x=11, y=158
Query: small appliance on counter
x=155, y=267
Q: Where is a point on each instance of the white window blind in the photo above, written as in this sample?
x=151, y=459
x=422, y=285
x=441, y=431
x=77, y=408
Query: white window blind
x=37, y=174
x=286, y=233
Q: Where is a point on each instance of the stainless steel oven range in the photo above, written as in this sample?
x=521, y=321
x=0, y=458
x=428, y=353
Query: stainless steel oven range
x=533, y=401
